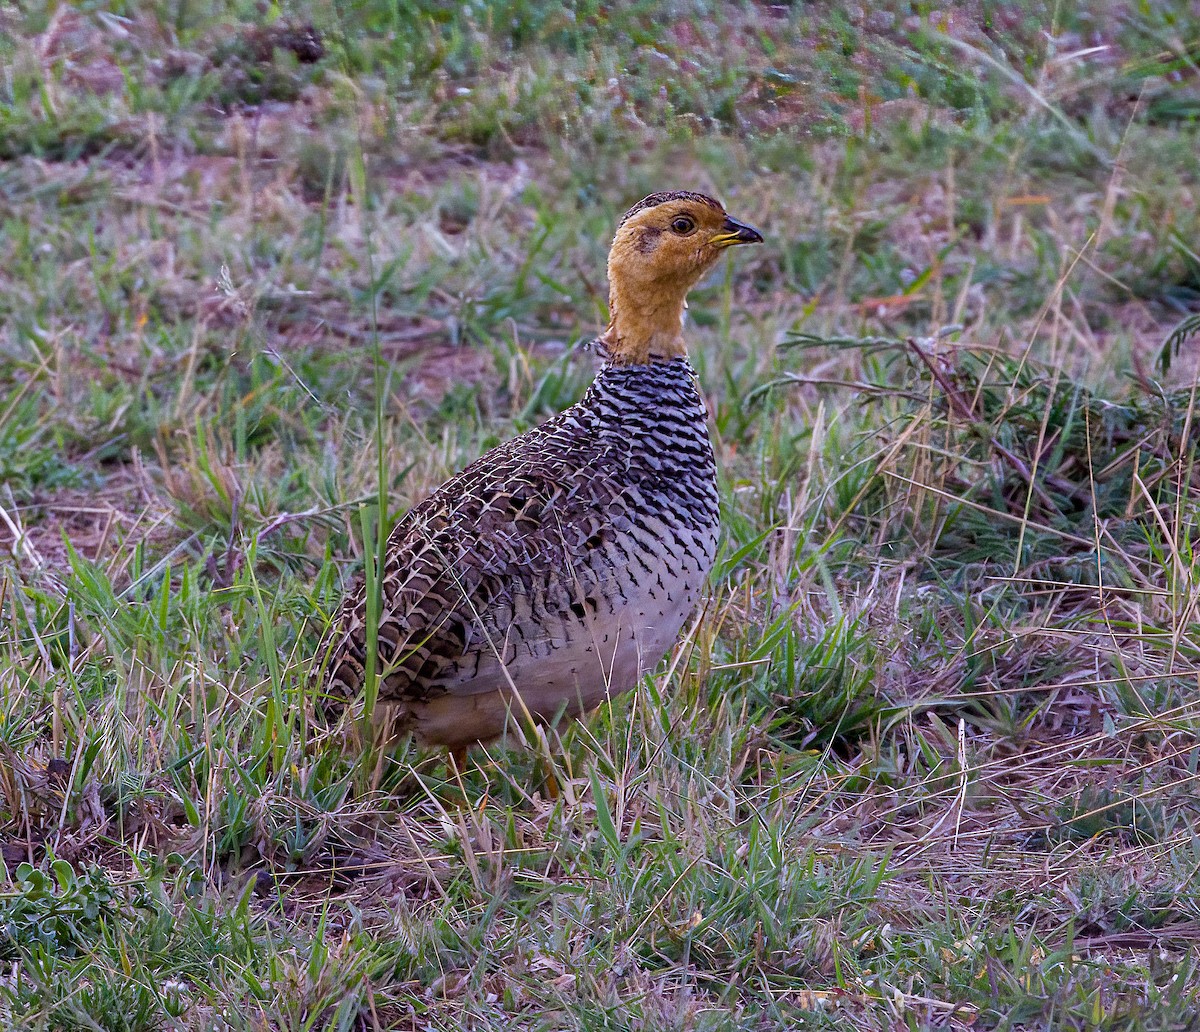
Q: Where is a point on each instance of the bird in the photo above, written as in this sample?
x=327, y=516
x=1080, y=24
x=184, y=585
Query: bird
x=556, y=570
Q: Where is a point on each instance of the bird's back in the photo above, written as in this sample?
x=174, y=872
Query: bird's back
x=549, y=574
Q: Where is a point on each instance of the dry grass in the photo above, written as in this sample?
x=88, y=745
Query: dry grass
x=926, y=759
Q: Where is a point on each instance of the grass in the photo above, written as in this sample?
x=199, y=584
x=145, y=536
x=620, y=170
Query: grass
x=927, y=757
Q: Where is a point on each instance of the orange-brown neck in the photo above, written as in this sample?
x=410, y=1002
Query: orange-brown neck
x=644, y=324
x=645, y=303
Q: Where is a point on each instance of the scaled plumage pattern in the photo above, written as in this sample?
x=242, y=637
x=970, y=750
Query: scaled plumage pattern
x=558, y=568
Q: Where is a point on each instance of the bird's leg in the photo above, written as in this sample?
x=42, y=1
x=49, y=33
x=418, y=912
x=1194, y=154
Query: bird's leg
x=552, y=789
x=456, y=767
x=545, y=760
x=458, y=761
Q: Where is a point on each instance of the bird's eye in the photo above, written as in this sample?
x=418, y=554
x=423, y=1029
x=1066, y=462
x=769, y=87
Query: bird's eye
x=682, y=224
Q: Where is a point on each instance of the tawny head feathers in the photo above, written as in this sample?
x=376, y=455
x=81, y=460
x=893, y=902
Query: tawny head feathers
x=663, y=245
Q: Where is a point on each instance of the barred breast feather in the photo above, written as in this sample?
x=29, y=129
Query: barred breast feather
x=549, y=575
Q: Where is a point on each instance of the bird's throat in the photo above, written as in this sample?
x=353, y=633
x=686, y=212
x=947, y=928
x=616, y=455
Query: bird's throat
x=644, y=326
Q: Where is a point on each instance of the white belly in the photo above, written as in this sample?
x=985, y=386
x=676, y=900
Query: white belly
x=584, y=664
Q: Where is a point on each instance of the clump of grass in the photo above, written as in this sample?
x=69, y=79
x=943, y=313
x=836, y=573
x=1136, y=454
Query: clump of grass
x=1010, y=453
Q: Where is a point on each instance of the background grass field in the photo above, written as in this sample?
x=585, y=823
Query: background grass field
x=927, y=758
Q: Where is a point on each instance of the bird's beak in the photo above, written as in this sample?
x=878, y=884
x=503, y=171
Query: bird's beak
x=734, y=232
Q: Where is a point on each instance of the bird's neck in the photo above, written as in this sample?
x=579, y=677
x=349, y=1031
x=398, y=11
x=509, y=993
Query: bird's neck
x=645, y=324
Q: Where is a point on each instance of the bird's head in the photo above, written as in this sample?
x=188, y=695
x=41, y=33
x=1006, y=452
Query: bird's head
x=663, y=245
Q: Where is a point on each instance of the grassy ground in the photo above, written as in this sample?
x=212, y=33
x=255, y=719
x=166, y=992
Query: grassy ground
x=928, y=757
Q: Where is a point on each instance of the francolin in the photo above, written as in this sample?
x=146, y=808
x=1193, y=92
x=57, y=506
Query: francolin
x=556, y=570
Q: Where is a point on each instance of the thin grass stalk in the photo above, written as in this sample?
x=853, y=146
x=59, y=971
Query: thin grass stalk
x=375, y=532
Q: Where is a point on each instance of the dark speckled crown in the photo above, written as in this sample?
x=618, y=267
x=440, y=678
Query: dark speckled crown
x=655, y=199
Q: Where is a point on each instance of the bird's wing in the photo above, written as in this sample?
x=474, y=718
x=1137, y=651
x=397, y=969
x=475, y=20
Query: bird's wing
x=456, y=564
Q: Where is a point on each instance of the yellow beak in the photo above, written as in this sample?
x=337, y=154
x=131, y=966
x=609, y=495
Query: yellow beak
x=734, y=232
